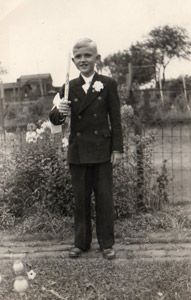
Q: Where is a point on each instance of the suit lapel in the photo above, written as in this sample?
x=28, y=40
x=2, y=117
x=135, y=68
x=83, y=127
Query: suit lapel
x=90, y=96
x=77, y=88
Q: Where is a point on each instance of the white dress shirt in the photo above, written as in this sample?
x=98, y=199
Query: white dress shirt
x=88, y=81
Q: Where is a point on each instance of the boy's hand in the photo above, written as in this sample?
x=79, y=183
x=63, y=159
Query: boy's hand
x=116, y=157
x=63, y=107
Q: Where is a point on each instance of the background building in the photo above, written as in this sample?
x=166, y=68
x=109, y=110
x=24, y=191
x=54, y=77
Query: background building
x=29, y=87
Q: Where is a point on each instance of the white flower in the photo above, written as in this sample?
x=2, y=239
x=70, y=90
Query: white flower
x=21, y=285
x=31, y=136
x=64, y=142
x=18, y=266
x=160, y=294
x=46, y=125
x=127, y=109
x=31, y=274
x=97, y=86
x=40, y=130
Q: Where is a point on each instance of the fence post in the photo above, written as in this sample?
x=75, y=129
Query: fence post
x=185, y=92
x=140, y=165
x=2, y=128
x=160, y=87
x=129, y=77
x=138, y=132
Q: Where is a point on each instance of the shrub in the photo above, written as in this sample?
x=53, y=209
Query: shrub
x=149, y=108
x=137, y=184
x=40, y=179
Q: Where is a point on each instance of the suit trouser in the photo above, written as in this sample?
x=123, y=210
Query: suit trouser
x=85, y=179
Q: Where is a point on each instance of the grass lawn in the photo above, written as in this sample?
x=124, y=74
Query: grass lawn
x=83, y=279
x=96, y=278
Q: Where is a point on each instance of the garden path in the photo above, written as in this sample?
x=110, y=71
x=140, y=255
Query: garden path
x=157, y=246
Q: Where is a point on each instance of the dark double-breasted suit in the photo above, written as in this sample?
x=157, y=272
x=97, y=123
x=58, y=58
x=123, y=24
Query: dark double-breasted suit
x=95, y=132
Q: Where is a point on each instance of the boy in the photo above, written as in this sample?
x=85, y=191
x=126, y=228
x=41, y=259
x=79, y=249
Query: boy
x=95, y=144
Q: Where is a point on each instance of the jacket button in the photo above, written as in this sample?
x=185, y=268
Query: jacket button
x=78, y=134
x=95, y=116
x=79, y=117
x=96, y=132
x=75, y=99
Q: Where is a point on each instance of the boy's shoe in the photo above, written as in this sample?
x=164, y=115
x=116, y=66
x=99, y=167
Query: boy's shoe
x=75, y=252
x=109, y=253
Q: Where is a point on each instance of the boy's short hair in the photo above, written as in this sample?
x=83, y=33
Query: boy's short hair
x=84, y=42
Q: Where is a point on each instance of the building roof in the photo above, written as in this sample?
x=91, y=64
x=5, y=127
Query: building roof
x=10, y=85
x=26, y=79
x=35, y=76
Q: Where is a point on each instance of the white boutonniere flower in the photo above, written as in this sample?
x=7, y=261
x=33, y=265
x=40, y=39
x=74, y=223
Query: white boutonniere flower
x=97, y=86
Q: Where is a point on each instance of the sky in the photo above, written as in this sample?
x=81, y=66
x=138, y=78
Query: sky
x=36, y=35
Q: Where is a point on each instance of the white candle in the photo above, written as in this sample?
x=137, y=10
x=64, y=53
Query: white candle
x=66, y=91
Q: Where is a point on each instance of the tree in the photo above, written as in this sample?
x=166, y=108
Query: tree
x=142, y=62
x=139, y=56
x=166, y=43
x=118, y=65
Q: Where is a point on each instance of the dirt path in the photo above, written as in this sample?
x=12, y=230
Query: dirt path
x=164, y=249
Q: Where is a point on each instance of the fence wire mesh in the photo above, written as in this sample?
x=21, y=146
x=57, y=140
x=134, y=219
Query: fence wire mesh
x=172, y=144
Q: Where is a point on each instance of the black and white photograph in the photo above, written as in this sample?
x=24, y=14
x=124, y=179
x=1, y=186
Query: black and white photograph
x=95, y=150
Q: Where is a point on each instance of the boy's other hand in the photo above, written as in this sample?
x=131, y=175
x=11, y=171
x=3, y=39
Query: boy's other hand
x=116, y=157
x=63, y=107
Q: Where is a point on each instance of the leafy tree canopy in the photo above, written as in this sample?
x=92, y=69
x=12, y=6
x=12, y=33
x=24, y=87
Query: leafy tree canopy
x=118, y=65
x=161, y=45
x=166, y=43
x=139, y=56
x=142, y=62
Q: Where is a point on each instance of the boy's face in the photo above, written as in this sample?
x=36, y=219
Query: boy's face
x=85, y=59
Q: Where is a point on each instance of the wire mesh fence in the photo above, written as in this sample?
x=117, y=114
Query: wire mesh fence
x=172, y=144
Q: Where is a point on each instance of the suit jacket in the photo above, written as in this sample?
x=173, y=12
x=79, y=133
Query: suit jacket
x=95, y=125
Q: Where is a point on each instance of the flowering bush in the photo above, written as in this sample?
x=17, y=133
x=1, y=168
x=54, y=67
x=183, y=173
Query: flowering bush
x=40, y=180
x=34, y=133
